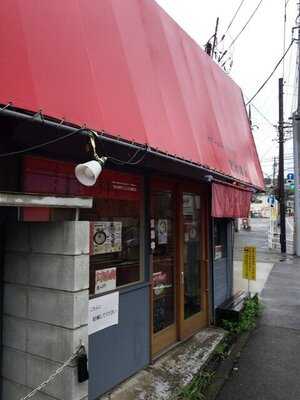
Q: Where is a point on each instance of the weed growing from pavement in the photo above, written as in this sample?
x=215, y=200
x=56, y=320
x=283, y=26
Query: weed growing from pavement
x=247, y=320
x=221, y=351
x=196, y=389
x=200, y=383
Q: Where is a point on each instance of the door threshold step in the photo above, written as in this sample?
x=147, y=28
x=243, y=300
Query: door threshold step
x=163, y=379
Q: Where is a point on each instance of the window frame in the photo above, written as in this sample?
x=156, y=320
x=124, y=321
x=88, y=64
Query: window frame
x=141, y=282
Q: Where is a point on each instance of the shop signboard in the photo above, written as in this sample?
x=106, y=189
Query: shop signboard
x=105, y=280
x=249, y=263
x=103, y=312
x=106, y=237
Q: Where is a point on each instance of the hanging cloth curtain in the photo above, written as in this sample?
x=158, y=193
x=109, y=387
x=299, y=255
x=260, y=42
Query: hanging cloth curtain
x=230, y=202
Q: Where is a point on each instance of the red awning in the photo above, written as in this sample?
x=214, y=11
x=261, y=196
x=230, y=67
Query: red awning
x=125, y=67
x=230, y=202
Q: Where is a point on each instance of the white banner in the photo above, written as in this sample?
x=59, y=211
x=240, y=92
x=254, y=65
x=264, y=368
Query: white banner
x=103, y=312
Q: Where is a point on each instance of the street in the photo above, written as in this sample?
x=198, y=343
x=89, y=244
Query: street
x=258, y=237
x=268, y=368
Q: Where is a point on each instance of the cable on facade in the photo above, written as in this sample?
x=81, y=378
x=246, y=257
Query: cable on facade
x=271, y=74
x=5, y=107
x=41, y=145
x=131, y=161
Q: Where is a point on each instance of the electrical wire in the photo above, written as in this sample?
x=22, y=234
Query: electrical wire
x=41, y=145
x=242, y=30
x=130, y=161
x=271, y=74
x=263, y=115
x=284, y=36
x=232, y=20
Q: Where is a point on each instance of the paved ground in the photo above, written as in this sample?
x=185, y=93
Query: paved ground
x=269, y=367
x=258, y=237
x=161, y=380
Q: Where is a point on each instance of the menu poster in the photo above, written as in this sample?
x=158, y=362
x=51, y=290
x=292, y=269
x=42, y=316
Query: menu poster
x=106, y=237
x=162, y=231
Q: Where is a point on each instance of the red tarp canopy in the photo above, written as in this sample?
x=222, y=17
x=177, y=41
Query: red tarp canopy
x=230, y=202
x=127, y=68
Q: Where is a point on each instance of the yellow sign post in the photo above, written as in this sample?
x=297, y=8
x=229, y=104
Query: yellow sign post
x=249, y=264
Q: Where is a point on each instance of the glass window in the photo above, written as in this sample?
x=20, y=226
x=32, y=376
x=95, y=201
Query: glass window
x=115, y=232
x=191, y=254
x=163, y=231
x=219, y=239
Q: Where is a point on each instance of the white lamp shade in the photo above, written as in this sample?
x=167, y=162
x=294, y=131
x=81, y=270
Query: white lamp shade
x=88, y=172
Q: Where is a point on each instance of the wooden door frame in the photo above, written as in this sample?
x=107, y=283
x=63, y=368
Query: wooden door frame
x=169, y=335
x=174, y=185
x=187, y=330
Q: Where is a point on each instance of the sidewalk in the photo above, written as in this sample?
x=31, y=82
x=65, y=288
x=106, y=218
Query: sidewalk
x=161, y=380
x=269, y=366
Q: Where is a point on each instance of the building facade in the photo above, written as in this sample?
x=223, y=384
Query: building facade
x=138, y=261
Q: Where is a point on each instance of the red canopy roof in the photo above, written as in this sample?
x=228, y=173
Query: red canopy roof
x=127, y=68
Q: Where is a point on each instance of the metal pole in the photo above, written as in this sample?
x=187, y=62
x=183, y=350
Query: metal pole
x=281, y=170
x=215, y=38
x=296, y=143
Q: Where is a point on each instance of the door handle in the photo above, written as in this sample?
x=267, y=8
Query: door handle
x=182, y=277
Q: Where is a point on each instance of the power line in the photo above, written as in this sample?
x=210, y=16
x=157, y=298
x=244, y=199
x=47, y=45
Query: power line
x=242, y=30
x=284, y=34
x=271, y=74
x=232, y=20
x=263, y=116
x=273, y=125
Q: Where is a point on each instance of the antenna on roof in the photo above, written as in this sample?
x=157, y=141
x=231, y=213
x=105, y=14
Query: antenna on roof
x=210, y=48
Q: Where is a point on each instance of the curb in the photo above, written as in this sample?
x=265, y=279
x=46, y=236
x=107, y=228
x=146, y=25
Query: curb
x=224, y=369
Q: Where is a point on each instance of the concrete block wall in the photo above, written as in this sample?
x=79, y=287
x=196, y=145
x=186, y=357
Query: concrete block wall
x=46, y=281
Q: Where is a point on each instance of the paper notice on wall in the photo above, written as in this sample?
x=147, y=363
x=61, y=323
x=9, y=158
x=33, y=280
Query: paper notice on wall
x=218, y=252
x=105, y=280
x=190, y=231
x=162, y=231
x=188, y=204
x=106, y=237
x=103, y=312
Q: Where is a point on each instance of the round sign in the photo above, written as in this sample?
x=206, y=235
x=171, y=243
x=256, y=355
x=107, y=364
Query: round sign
x=99, y=237
x=158, y=289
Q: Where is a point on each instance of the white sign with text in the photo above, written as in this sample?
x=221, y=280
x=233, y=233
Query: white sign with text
x=105, y=280
x=103, y=312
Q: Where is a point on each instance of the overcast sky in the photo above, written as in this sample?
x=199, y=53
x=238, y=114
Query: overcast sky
x=254, y=55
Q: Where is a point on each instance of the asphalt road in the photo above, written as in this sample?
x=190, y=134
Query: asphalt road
x=258, y=237
x=269, y=366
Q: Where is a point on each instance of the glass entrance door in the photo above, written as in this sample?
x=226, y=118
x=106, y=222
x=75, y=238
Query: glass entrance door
x=162, y=225
x=193, y=283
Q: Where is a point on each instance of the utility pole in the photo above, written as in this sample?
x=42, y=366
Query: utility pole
x=274, y=171
x=296, y=143
x=250, y=116
x=281, y=170
x=210, y=48
x=215, y=38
